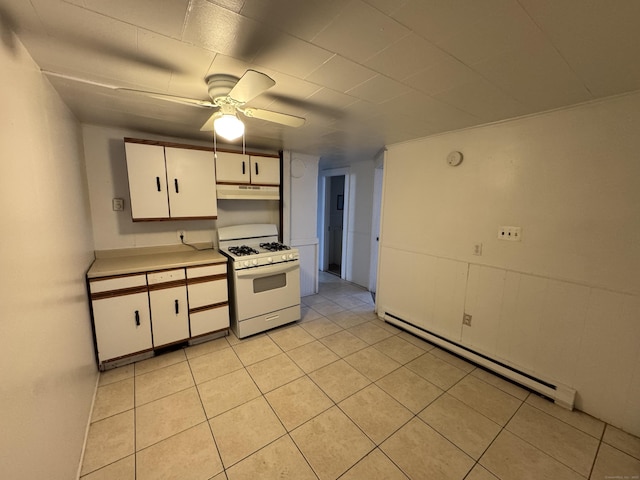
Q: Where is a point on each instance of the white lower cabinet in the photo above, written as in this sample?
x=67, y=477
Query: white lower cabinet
x=137, y=313
x=208, y=299
x=120, y=316
x=169, y=307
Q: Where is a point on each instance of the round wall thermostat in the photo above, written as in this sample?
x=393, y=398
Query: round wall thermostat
x=454, y=158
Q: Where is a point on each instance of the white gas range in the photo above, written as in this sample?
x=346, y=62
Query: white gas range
x=264, y=283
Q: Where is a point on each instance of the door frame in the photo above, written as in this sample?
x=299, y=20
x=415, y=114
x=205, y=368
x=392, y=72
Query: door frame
x=324, y=212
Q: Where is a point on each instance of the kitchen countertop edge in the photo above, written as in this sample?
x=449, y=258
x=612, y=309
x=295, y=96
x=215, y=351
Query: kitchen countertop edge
x=110, y=264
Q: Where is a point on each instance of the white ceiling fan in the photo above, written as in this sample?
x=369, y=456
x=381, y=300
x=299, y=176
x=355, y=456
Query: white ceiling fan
x=228, y=96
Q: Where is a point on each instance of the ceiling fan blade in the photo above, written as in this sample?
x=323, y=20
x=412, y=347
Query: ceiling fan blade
x=170, y=98
x=251, y=85
x=78, y=79
x=208, y=125
x=269, y=116
x=161, y=96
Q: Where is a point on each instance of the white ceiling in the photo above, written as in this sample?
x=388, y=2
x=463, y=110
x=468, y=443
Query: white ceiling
x=364, y=73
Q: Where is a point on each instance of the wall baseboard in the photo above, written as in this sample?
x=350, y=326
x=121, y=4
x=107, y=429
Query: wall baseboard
x=562, y=395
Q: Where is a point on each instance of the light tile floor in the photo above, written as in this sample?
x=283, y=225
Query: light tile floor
x=339, y=394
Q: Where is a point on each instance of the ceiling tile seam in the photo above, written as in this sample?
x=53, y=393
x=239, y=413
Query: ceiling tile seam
x=452, y=57
x=557, y=50
x=328, y=24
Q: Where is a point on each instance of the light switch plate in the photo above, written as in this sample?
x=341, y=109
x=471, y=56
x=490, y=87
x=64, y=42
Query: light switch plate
x=118, y=204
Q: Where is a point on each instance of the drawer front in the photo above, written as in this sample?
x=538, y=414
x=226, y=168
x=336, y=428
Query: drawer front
x=207, y=270
x=165, y=276
x=117, y=283
x=207, y=293
x=207, y=321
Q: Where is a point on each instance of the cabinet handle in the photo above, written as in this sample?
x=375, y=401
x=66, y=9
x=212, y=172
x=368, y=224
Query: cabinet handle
x=175, y=183
x=137, y=318
x=243, y=168
x=256, y=168
x=158, y=183
x=177, y=308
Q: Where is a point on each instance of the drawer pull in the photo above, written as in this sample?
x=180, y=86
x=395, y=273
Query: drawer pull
x=243, y=169
x=158, y=183
x=177, y=308
x=137, y=318
x=175, y=183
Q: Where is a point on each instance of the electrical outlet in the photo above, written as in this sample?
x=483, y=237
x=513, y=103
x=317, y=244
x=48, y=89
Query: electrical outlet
x=477, y=249
x=182, y=235
x=466, y=319
x=511, y=234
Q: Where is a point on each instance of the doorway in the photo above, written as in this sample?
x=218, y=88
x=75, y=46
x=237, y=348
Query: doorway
x=336, y=224
x=333, y=218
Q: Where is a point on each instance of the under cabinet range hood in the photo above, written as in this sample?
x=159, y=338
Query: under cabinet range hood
x=248, y=192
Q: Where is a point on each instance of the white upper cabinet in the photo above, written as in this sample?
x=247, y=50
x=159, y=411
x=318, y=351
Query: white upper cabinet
x=265, y=171
x=236, y=168
x=232, y=168
x=147, y=181
x=170, y=183
x=191, y=183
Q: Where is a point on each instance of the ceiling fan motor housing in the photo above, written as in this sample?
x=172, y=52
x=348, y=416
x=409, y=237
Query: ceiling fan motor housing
x=219, y=85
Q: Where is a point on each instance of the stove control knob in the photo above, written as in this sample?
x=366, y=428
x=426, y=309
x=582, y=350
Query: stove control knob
x=254, y=261
x=284, y=257
x=246, y=263
x=291, y=256
x=269, y=259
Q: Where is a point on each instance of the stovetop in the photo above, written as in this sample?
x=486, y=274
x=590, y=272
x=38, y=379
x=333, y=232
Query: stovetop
x=251, y=246
x=242, y=250
x=274, y=246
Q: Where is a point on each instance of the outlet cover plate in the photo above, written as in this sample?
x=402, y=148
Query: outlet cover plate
x=510, y=234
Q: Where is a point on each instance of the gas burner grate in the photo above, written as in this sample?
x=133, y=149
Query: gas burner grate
x=243, y=250
x=274, y=246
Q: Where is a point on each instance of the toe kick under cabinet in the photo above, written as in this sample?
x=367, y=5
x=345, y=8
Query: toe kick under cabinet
x=136, y=314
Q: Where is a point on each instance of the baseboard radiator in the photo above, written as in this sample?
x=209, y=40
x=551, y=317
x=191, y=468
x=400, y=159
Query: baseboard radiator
x=562, y=395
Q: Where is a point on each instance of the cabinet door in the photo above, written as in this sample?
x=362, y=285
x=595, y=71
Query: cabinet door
x=265, y=171
x=169, y=315
x=147, y=181
x=122, y=325
x=232, y=168
x=192, y=187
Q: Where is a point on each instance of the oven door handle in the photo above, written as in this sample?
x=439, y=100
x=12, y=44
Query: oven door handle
x=257, y=272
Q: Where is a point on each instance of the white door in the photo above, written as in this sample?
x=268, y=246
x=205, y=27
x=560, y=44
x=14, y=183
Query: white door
x=375, y=228
x=122, y=325
x=191, y=177
x=147, y=181
x=232, y=168
x=169, y=315
x=265, y=171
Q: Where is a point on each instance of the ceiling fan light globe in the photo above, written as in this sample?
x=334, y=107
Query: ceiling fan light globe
x=228, y=127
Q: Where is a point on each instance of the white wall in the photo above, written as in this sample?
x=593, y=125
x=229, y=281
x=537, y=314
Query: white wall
x=107, y=177
x=564, y=303
x=48, y=372
x=303, y=174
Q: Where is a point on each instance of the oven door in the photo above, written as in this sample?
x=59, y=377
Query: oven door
x=262, y=290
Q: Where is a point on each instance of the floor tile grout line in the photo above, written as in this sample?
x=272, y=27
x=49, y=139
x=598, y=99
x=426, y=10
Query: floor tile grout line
x=562, y=420
x=545, y=453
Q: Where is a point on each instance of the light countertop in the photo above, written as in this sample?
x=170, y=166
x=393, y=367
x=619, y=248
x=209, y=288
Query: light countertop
x=140, y=260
